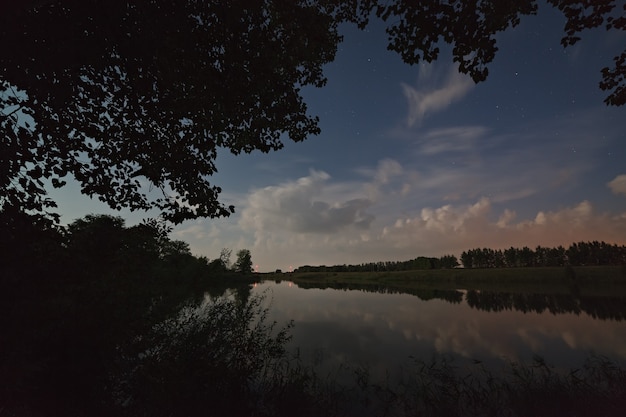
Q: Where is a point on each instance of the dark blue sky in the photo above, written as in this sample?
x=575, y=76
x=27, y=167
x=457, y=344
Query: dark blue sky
x=418, y=160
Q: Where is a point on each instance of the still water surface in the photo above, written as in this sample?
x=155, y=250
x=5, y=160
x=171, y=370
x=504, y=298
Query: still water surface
x=384, y=330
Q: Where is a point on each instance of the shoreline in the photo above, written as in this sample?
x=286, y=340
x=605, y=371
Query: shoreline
x=579, y=280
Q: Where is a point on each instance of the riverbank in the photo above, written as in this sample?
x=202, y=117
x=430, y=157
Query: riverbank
x=584, y=280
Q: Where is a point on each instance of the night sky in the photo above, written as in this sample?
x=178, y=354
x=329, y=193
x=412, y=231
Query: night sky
x=420, y=161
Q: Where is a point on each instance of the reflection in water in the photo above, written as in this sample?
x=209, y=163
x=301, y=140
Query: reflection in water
x=603, y=308
x=453, y=296
x=383, y=328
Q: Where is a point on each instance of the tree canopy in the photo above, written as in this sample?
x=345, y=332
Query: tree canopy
x=134, y=99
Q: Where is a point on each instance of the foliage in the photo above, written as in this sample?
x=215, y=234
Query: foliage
x=23, y=236
x=418, y=28
x=577, y=254
x=419, y=263
x=224, y=258
x=145, y=92
x=134, y=100
x=449, y=261
x=243, y=264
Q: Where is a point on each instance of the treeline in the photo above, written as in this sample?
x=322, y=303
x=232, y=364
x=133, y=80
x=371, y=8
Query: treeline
x=578, y=254
x=102, y=246
x=419, y=263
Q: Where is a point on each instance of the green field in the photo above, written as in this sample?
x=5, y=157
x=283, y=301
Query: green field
x=585, y=280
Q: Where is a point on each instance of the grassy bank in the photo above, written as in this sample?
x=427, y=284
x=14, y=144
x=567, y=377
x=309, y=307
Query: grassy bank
x=586, y=280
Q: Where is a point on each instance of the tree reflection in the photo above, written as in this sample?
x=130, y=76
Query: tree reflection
x=598, y=307
x=603, y=308
x=425, y=294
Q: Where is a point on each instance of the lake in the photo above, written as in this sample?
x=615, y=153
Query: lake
x=383, y=331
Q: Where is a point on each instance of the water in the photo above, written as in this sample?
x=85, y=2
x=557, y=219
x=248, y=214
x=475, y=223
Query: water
x=383, y=331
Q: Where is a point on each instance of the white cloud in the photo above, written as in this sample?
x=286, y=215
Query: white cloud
x=429, y=100
x=618, y=184
x=387, y=169
x=457, y=228
x=506, y=218
x=299, y=207
x=453, y=139
x=389, y=177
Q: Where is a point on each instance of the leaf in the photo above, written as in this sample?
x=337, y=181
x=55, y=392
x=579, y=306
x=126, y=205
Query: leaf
x=56, y=183
x=35, y=173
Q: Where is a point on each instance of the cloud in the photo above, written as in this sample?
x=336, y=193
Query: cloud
x=387, y=169
x=389, y=177
x=618, y=184
x=429, y=100
x=461, y=227
x=299, y=207
x=452, y=139
x=438, y=229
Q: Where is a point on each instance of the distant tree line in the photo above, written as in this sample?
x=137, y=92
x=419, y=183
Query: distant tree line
x=419, y=263
x=578, y=254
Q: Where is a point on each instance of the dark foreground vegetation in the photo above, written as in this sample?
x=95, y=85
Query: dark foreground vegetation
x=100, y=319
x=80, y=305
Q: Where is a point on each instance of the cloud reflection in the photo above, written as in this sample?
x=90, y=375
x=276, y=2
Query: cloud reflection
x=378, y=329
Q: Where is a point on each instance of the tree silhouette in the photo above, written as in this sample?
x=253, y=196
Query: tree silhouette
x=134, y=99
x=125, y=96
x=243, y=264
x=419, y=27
